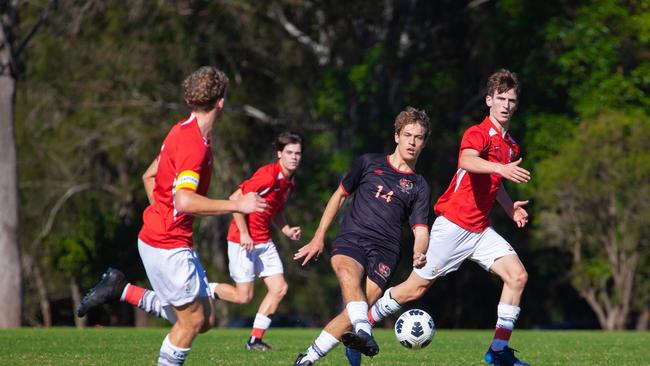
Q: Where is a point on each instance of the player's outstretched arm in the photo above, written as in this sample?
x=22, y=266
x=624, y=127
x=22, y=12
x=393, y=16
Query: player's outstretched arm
x=315, y=247
x=291, y=232
x=245, y=239
x=189, y=202
x=514, y=210
x=149, y=179
x=420, y=245
x=473, y=163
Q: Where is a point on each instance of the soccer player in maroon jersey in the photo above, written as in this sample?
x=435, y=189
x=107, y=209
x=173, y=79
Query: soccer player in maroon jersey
x=251, y=251
x=176, y=183
x=386, y=193
x=488, y=154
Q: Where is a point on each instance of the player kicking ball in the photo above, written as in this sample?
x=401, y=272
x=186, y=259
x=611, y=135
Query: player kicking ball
x=251, y=251
x=387, y=194
x=176, y=183
x=462, y=229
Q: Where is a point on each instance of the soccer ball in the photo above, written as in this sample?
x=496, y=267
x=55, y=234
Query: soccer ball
x=414, y=329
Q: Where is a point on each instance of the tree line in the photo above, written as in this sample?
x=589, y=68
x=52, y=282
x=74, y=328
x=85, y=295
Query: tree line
x=97, y=87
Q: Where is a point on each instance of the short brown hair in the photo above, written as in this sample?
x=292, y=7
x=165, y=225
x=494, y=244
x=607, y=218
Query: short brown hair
x=412, y=115
x=286, y=138
x=502, y=81
x=204, y=87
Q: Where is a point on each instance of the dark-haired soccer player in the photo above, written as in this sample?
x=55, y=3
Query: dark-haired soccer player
x=251, y=251
x=488, y=154
x=176, y=183
x=386, y=194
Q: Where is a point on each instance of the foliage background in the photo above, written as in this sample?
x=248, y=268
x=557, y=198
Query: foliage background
x=99, y=87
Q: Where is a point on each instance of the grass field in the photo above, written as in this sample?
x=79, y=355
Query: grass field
x=138, y=346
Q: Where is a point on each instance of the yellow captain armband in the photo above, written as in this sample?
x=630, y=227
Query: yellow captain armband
x=187, y=179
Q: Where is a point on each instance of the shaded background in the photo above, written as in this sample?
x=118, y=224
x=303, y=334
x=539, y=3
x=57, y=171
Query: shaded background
x=98, y=88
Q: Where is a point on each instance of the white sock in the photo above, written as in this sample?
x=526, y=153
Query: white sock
x=358, y=314
x=384, y=307
x=171, y=355
x=213, y=290
x=506, y=317
x=321, y=346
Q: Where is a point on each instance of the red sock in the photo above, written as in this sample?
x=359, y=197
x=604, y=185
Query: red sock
x=133, y=294
x=258, y=333
x=370, y=319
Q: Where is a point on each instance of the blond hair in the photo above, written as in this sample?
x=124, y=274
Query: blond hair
x=412, y=115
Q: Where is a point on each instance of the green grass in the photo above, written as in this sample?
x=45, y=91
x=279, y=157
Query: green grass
x=138, y=346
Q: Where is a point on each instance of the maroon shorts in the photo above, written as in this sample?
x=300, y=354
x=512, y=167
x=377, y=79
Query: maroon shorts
x=378, y=262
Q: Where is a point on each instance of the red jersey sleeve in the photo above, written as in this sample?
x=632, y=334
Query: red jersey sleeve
x=261, y=182
x=188, y=161
x=474, y=139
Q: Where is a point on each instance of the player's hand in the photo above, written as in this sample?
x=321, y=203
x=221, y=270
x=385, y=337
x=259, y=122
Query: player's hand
x=251, y=202
x=309, y=251
x=292, y=233
x=246, y=242
x=519, y=215
x=513, y=172
x=419, y=260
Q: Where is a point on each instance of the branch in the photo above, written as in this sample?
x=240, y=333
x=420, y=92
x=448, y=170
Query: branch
x=320, y=50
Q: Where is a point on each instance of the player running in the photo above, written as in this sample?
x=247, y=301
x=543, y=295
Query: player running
x=251, y=251
x=176, y=183
x=462, y=229
x=366, y=250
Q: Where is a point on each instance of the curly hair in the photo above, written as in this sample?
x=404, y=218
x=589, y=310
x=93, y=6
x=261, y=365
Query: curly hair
x=412, y=115
x=204, y=87
x=502, y=81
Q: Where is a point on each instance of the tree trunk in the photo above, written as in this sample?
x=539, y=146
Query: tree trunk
x=76, y=300
x=643, y=321
x=11, y=279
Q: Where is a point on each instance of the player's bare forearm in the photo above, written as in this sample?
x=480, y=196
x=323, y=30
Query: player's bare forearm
x=315, y=247
x=191, y=203
x=421, y=239
x=149, y=179
x=240, y=220
x=333, y=205
x=504, y=200
x=471, y=161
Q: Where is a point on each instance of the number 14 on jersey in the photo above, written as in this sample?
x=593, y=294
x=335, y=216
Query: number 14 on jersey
x=387, y=196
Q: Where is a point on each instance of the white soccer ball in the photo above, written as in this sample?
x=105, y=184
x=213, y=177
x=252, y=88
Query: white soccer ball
x=415, y=329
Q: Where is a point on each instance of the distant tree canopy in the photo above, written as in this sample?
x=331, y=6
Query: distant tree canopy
x=99, y=87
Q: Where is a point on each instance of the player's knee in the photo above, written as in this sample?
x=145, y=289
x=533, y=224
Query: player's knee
x=194, y=323
x=209, y=323
x=243, y=298
x=518, y=279
x=280, y=290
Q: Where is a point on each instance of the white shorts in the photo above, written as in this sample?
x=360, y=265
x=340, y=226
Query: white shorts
x=263, y=261
x=450, y=245
x=176, y=275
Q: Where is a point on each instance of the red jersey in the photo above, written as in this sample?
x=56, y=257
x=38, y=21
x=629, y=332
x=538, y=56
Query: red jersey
x=185, y=162
x=470, y=196
x=269, y=182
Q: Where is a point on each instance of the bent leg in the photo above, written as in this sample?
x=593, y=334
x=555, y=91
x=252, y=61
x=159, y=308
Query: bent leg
x=391, y=302
x=514, y=277
x=240, y=293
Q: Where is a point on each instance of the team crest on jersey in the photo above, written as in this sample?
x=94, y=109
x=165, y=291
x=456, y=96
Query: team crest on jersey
x=405, y=185
x=383, y=270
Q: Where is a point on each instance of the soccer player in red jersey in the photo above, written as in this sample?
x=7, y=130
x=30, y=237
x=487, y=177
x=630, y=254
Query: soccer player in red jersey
x=176, y=183
x=488, y=154
x=251, y=251
x=386, y=193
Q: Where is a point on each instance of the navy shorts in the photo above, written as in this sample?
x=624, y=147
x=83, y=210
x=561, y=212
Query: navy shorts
x=378, y=262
